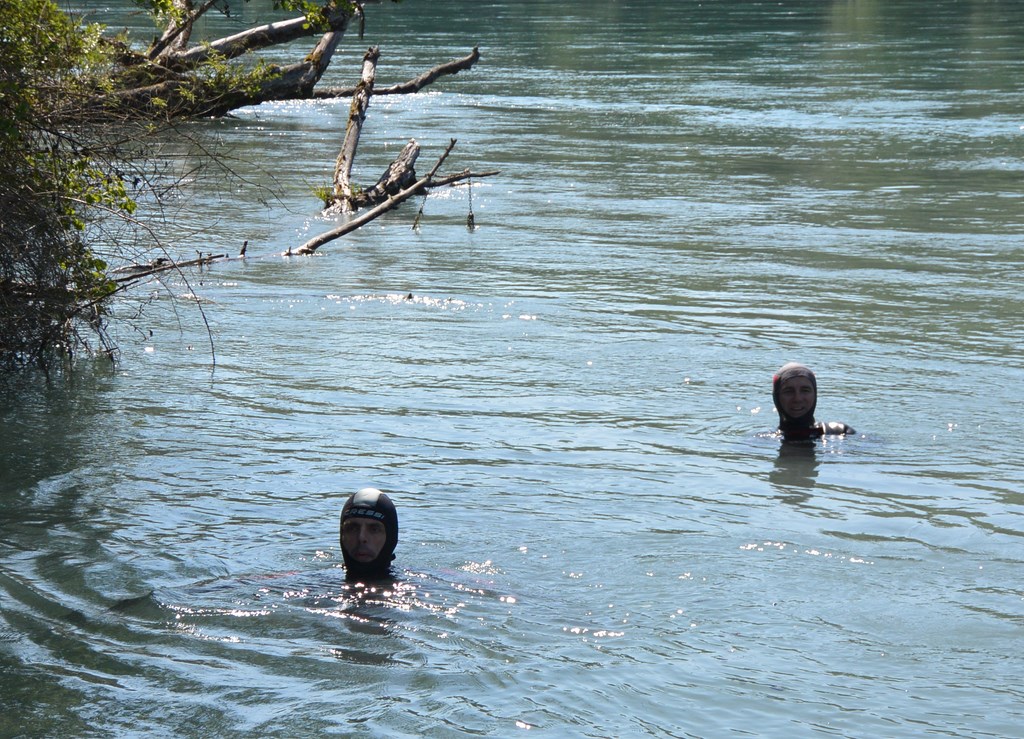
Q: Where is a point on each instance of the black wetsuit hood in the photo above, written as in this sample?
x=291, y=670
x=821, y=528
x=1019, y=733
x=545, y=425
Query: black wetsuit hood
x=804, y=426
x=371, y=503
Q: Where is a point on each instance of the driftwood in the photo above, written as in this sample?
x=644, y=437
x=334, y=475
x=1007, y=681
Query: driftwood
x=137, y=272
x=399, y=175
x=170, y=61
x=459, y=176
x=413, y=85
x=356, y=115
x=315, y=243
x=399, y=181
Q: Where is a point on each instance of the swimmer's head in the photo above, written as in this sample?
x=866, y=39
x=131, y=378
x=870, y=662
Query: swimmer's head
x=368, y=534
x=795, y=392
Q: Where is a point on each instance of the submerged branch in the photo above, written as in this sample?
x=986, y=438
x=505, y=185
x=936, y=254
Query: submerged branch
x=315, y=243
x=137, y=274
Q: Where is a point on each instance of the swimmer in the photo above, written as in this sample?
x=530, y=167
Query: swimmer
x=795, y=392
x=368, y=535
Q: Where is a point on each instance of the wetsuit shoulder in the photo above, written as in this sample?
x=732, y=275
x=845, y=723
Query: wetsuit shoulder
x=836, y=428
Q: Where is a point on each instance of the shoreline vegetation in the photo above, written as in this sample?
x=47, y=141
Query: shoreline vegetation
x=80, y=112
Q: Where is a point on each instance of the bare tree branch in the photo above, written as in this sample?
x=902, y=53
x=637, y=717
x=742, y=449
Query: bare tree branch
x=459, y=176
x=414, y=85
x=399, y=175
x=315, y=243
x=253, y=39
x=356, y=116
x=179, y=98
x=176, y=35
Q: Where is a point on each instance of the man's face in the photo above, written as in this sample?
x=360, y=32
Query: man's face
x=363, y=538
x=797, y=396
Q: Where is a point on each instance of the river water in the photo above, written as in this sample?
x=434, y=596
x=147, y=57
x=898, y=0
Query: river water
x=568, y=403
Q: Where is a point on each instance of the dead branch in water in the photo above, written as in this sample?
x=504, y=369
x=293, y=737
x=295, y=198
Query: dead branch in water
x=342, y=193
x=315, y=243
x=414, y=85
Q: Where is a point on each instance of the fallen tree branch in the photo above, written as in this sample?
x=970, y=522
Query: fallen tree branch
x=356, y=116
x=315, y=243
x=399, y=175
x=165, y=265
x=270, y=34
x=413, y=85
x=463, y=175
x=176, y=36
x=184, y=96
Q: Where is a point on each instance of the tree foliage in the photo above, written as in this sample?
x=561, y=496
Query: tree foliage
x=76, y=108
x=53, y=169
x=77, y=112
